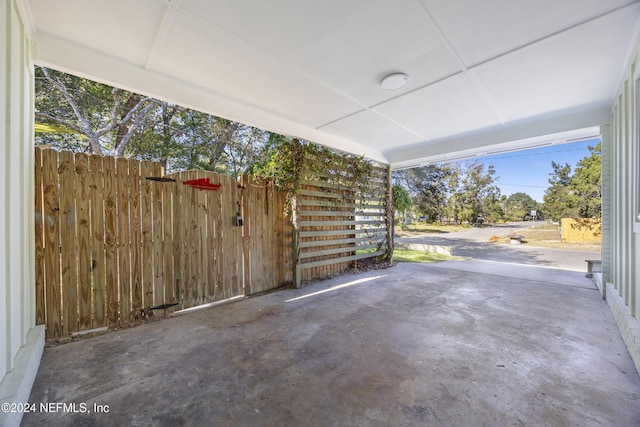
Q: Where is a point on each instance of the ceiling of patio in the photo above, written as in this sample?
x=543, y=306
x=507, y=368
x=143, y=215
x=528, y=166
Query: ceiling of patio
x=484, y=76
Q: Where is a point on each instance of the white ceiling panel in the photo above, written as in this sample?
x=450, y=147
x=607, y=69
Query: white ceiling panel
x=372, y=130
x=121, y=28
x=569, y=71
x=220, y=61
x=349, y=46
x=482, y=30
x=451, y=107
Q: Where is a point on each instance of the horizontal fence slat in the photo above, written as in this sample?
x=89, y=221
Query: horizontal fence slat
x=339, y=260
x=336, y=223
x=335, y=251
x=327, y=203
x=340, y=213
x=327, y=213
x=309, y=234
x=351, y=240
x=370, y=214
x=325, y=252
x=324, y=184
x=316, y=193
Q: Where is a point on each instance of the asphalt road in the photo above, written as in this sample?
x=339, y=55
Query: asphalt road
x=473, y=243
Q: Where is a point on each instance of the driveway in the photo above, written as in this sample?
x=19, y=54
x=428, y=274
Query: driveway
x=413, y=345
x=473, y=243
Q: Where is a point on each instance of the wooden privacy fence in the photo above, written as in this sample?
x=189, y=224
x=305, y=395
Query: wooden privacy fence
x=581, y=230
x=111, y=243
x=115, y=238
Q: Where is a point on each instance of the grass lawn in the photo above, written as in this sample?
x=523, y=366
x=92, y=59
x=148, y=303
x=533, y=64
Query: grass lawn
x=406, y=255
x=424, y=228
x=547, y=236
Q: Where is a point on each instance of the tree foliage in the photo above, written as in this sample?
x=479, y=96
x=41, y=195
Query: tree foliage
x=477, y=191
x=428, y=187
x=458, y=192
x=401, y=198
x=518, y=207
x=578, y=195
x=97, y=118
x=103, y=117
x=586, y=184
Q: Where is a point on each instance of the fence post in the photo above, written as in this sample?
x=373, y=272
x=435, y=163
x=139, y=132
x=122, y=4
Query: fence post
x=295, y=240
x=246, y=234
x=389, y=217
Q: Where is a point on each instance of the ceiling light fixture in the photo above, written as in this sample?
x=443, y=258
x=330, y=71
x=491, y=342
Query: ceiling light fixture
x=395, y=81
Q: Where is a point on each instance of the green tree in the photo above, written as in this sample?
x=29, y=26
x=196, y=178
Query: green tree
x=476, y=192
x=494, y=208
x=559, y=199
x=586, y=184
x=97, y=118
x=519, y=206
x=429, y=188
x=401, y=201
x=103, y=117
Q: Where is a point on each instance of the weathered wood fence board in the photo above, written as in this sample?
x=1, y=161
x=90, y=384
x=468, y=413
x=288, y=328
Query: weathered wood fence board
x=265, y=223
x=111, y=244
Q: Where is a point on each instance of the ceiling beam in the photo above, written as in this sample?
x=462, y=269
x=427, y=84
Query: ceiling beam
x=557, y=129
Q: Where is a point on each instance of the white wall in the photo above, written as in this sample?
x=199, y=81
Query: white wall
x=21, y=342
x=621, y=231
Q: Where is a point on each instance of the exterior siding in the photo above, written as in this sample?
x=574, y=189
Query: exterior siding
x=606, y=205
x=621, y=226
x=21, y=342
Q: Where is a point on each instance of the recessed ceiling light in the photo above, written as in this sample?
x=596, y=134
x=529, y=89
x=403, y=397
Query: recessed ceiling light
x=395, y=81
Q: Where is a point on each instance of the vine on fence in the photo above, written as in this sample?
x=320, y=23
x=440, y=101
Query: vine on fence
x=295, y=161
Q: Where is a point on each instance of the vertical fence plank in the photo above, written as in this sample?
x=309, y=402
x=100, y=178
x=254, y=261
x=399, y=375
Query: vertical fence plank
x=203, y=270
x=217, y=243
x=168, y=232
x=68, y=243
x=236, y=239
x=210, y=291
x=83, y=241
x=146, y=226
x=284, y=236
x=97, y=192
x=181, y=255
x=156, y=207
x=39, y=235
x=179, y=252
x=112, y=283
x=228, y=213
x=136, y=239
x=191, y=247
x=247, y=231
x=51, y=221
x=124, y=246
x=199, y=227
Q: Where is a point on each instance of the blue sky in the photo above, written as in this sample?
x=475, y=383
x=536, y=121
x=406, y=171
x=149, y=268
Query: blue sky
x=528, y=171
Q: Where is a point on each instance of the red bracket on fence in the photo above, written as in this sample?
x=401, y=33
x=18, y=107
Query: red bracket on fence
x=202, y=184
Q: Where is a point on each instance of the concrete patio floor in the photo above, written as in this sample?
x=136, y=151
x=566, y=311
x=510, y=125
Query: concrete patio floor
x=451, y=344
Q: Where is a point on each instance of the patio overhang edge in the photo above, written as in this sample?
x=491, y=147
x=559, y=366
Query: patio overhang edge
x=558, y=129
